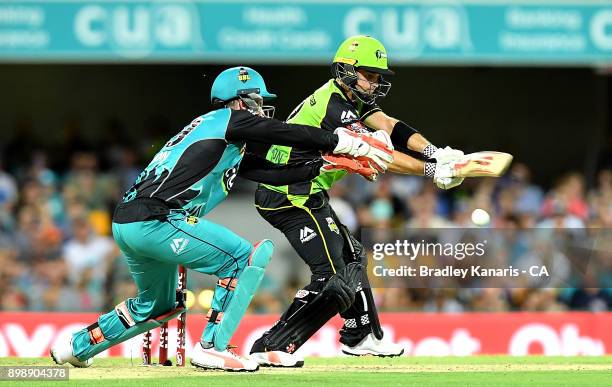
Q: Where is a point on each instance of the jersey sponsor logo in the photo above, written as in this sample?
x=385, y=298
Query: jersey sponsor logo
x=307, y=234
x=347, y=116
x=178, y=245
x=192, y=220
x=332, y=225
x=358, y=127
x=228, y=178
x=278, y=155
x=302, y=293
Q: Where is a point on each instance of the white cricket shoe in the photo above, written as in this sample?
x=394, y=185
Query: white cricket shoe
x=277, y=359
x=61, y=353
x=370, y=345
x=228, y=360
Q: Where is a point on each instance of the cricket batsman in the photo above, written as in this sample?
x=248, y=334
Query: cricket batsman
x=160, y=223
x=302, y=212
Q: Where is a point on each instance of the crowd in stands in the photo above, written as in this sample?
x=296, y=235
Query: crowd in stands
x=566, y=229
x=57, y=252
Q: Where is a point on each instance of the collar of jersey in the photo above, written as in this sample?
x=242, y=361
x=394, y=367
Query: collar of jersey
x=343, y=93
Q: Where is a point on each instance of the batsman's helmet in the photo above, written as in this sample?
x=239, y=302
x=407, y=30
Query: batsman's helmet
x=240, y=82
x=365, y=53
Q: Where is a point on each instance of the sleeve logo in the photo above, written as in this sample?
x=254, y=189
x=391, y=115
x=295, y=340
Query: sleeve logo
x=347, y=116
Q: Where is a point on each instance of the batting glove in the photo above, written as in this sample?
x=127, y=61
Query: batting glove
x=446, y=154
x=444, y=175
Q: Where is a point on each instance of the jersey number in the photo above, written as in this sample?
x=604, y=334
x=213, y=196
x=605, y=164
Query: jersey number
x=183, y=133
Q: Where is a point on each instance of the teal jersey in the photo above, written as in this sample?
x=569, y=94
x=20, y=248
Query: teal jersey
x=195, y=169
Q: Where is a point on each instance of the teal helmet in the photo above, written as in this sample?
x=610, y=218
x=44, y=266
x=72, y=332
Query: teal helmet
x=238, y=82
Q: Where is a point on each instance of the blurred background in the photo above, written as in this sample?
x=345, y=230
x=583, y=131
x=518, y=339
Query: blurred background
x=92, y=90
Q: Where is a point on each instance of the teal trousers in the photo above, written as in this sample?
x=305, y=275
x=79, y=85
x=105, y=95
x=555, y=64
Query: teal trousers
x=153, y=250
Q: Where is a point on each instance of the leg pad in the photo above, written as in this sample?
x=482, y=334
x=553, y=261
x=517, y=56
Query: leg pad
x=246, y=287
x=289, y=335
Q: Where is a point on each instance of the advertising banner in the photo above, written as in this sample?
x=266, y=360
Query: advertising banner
x=29, y=334
x=306, y=31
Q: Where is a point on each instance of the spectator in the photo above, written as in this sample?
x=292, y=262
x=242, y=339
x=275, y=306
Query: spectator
x=568, y=195
x=527, y=197
x=87, y=254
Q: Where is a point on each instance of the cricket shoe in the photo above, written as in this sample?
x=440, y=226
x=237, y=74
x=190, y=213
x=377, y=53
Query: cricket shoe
x=61, y=353
x=228, y=360
x=277, y=359
x=370, y=345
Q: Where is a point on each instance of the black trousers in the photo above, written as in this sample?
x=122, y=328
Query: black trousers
x=314, y=232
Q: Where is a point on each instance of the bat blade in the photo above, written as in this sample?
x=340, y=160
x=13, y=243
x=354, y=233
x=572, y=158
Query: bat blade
x=483, y=164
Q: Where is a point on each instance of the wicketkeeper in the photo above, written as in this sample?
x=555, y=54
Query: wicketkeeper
x=302, y=212
x=160, y=223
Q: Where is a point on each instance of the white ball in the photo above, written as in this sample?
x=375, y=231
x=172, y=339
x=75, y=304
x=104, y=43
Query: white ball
x=480, y=217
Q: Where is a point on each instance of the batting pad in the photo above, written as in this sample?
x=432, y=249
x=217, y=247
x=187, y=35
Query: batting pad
x=247, y=286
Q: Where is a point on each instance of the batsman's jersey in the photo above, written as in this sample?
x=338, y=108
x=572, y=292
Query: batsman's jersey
x=327, y=108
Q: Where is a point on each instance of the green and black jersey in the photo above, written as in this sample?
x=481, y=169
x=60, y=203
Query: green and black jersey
x=327, y=108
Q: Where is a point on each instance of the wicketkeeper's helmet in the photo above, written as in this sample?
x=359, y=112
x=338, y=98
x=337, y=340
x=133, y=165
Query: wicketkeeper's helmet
x=241, y=83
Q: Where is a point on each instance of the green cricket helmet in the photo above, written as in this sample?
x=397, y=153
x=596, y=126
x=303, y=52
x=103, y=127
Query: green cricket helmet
x=245, y=84
x=362, y=52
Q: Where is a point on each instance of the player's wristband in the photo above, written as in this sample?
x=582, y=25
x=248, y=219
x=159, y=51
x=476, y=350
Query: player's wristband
x=401, y=133
x=429, y=169
x=429, y=150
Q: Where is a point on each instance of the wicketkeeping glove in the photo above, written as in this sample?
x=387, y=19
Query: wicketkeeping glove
x=383, y=137
x=343, y=163
x=366, y=146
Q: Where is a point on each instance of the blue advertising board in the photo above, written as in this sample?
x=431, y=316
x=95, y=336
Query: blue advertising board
x=471, y=32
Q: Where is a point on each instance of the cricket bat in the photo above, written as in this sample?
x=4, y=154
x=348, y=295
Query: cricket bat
x=483, y=164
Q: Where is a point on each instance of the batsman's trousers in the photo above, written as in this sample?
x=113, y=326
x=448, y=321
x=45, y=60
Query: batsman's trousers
x=313, y=231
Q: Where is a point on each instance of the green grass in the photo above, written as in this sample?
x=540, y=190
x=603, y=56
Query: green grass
x=349, y=371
